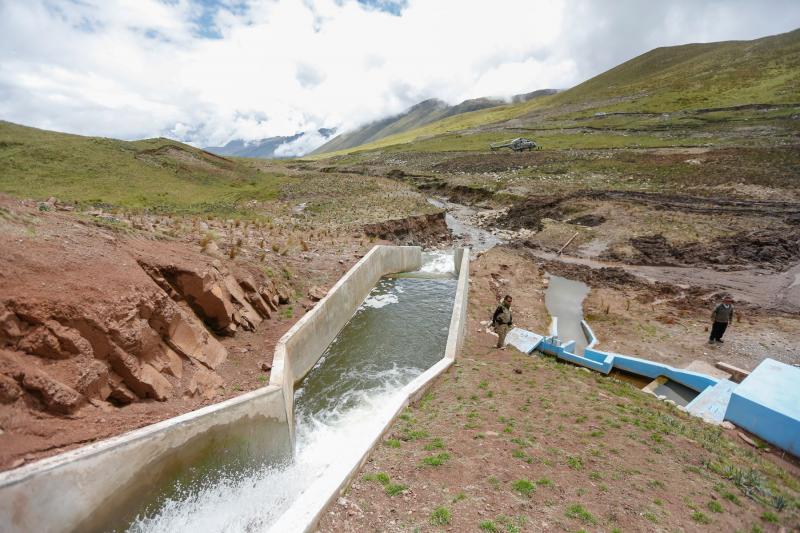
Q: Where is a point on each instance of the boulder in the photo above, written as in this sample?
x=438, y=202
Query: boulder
x=317, y=293
x=194, y=342
x=41, y=341
x=120, y=393
x=141, y=378
x=93, y=381
x=56, y=396
x=204, y=383
x=9, y=389
x=247, y=317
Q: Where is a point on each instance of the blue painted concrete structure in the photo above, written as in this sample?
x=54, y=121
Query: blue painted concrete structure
x=767, y=403
x=711, y=404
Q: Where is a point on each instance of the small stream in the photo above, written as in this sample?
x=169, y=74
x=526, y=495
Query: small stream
x=398, y=332
x=465, y=233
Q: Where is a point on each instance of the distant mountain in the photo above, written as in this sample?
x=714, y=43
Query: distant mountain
x=521, y=98
x=418, y=115
x=272, y=147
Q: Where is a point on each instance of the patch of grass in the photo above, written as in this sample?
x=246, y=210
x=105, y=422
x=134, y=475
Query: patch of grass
x=575, y=463
x=393, y=489
x=436, y=460
x=524, y=487
x=441, y=516
x=392, y=443
x=577, y=511
x=650, y=517
x=544, y=482
x=700, y=518
x=435, y=444
x=714, y=506
x=488, y=525
x=768, y=516
x=458, y=497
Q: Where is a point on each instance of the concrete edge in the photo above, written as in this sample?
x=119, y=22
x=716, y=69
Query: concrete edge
x=589, y=333
x=346, y=294
x=47, y=464
x=310, y=506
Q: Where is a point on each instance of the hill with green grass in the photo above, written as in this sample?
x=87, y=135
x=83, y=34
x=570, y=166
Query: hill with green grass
x=159, y=175
x=675, y=81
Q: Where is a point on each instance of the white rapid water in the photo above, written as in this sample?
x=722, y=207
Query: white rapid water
x=347, y=399
x=252, y=502
x=437, y=262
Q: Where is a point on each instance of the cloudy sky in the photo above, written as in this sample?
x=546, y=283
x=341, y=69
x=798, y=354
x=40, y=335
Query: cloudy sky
x=207, y=71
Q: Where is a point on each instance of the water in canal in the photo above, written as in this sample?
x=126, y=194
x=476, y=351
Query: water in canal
x=564, y=299
x=398, y=332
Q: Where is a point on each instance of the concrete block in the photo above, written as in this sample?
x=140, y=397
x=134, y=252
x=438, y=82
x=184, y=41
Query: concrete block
x=523, y=340
x=767, y=403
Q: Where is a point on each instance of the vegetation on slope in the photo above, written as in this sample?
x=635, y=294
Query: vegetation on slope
x=684, y=81
x=156, y=174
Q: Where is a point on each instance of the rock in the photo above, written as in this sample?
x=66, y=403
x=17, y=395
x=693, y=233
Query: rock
x=141, y=378
x=204, y=383
x=747, y=439
x=249, y=317
x=56, y=396
x=41, y=341
x=266, y=367
x=317, y=293
x=120, y=393
x=93, y=381
x=727, y=425
x=194, y=342
x=9, y=389
x=284, y=294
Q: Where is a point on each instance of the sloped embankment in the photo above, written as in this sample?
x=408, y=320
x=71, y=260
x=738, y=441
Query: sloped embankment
x=93, y=319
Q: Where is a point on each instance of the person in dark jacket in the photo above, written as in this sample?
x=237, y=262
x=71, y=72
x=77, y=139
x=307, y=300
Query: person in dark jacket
x=721, y=317
x=502, y=320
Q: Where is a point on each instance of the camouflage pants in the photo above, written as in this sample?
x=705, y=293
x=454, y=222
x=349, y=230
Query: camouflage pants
x=501, y=330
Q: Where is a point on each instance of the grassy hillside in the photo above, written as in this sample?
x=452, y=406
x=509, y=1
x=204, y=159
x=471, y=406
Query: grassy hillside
x=154, y=174
x=674, y=79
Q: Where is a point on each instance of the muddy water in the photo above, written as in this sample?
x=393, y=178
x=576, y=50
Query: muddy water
x=564, y=299
x=458, y=218
x=398, y=332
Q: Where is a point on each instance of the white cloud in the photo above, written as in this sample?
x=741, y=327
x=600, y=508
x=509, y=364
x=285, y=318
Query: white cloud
x=136, y=68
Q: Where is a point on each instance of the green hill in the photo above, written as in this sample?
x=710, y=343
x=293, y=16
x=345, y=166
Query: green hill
x=155, y=174
x=687, y=78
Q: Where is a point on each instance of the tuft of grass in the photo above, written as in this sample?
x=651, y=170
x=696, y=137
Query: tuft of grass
x=700, y=518
x=488, y=525
x=392, y=443
x=714, y=506
x=441, y=516
x=436, y=460
x=435, y=444
x=524, y=487
x=575, y=463
x=544, y=482
x=577, y=511
x=393, y=489
x=769, y=516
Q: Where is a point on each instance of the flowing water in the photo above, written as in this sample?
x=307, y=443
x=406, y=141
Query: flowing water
x=398, y=332
x=564, y=299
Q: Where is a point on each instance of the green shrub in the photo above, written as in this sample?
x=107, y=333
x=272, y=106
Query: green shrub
x=441, y=516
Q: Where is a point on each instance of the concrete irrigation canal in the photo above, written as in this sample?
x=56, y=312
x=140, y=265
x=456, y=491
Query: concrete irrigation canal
x=272, y=459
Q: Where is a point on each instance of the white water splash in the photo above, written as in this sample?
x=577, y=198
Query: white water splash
x=380, y=300
x=437, y=263
x=253, y=502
